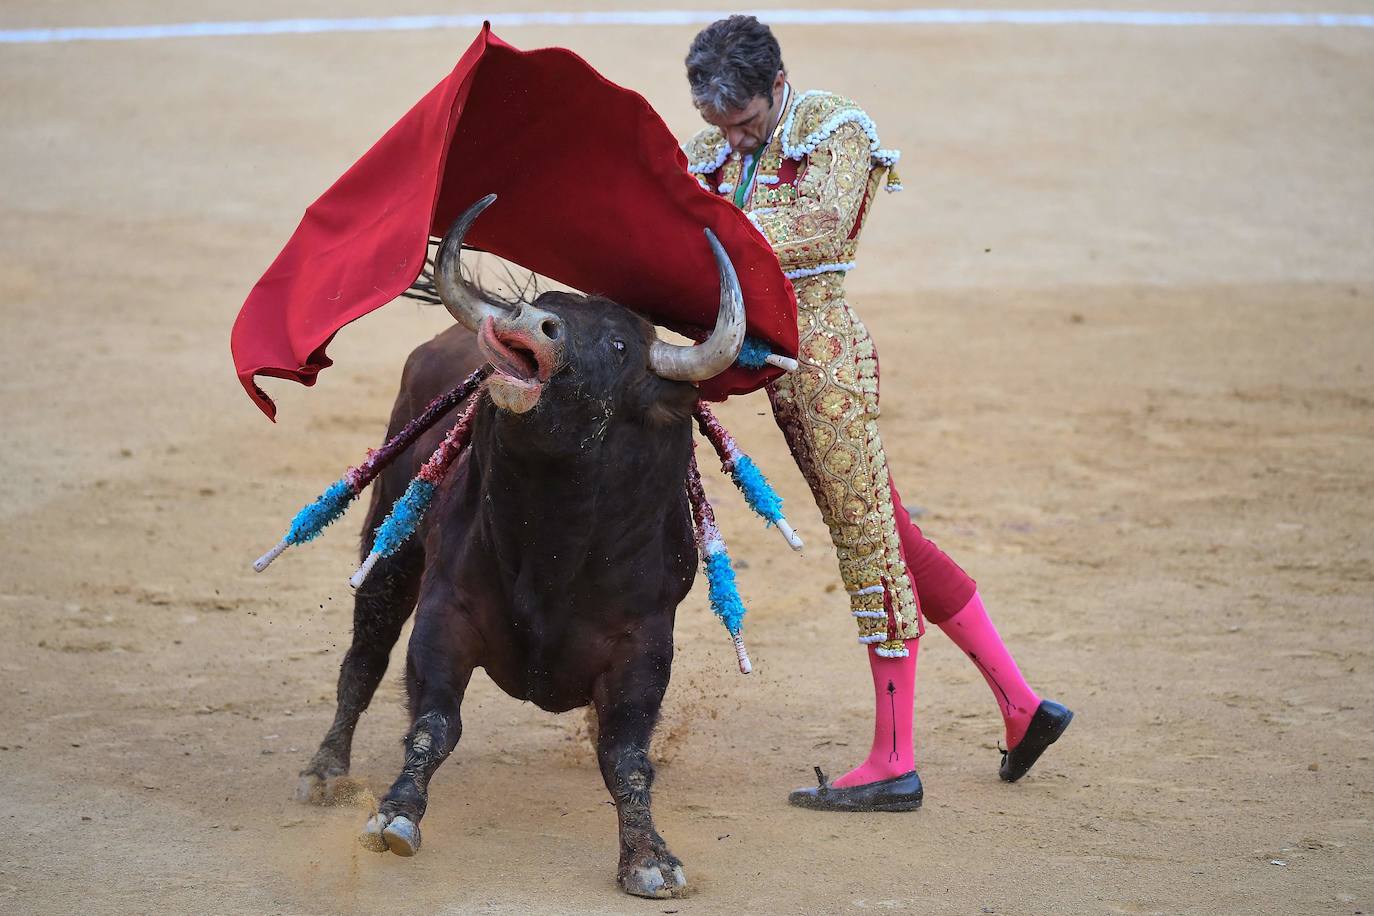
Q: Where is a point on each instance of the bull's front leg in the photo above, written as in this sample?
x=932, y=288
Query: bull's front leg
x=381, y=606
x=627, y=701
x=437, y=673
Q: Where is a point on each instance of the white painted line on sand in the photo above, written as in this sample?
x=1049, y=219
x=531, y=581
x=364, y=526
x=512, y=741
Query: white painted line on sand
x=687, y=17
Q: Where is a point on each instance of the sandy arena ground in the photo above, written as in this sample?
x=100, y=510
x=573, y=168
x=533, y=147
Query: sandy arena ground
x=1126, y=312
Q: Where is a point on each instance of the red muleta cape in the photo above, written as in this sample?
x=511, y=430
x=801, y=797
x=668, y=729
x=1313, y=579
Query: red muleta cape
x=593, y=193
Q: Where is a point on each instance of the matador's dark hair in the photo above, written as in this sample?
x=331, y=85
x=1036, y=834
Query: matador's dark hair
x=732, y=62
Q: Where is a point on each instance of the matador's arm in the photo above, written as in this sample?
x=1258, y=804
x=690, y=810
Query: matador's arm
x=830, y=193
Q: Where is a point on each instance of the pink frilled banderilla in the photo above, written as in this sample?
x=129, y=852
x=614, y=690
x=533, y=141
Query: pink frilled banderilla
x=760, y=495
x=311, y=521
x=720, y=572
x=404, y=517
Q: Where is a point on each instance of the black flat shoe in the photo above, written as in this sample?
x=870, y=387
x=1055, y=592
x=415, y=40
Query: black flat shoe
x=1045, y=727
x=900, y=793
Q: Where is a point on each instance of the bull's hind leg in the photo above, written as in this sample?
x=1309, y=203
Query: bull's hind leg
x=380, y=608
x=627, y=701
x=438, y=668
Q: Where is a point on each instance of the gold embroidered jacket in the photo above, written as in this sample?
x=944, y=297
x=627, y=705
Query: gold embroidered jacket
x=814, y=181
x=811, y=190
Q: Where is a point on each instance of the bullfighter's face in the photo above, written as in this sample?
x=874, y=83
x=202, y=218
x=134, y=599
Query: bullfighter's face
x=747, y=129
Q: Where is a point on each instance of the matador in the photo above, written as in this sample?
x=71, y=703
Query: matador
x=806, y=168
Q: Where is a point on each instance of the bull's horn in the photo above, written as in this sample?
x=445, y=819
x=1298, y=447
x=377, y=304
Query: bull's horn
x=718, y=352
x=468, y=308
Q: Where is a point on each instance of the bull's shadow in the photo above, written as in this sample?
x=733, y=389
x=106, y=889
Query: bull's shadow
x=557, y=549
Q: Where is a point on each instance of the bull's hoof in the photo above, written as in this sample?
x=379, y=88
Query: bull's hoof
x=394, y=833
x=657, y=880
x=402, y=836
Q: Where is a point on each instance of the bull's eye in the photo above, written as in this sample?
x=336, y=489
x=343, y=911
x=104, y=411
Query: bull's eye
x=619, y=345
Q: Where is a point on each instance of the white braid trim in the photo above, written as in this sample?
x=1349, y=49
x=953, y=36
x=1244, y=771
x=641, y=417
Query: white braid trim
x=707, y=167
x=892, y=653
x=892, y=187
x=887, y=157
x=873, y=614
x=870, y=640
x=763, y=211
x=791, y=116
x=725, y=187
x=705, y=185
x=754, y=221
x=839, y=268
x=868, y=590
x=767, y=179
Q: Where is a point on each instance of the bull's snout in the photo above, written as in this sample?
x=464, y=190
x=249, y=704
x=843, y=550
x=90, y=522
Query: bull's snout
x=525, y=346
x=544, y=327
x=532, y=333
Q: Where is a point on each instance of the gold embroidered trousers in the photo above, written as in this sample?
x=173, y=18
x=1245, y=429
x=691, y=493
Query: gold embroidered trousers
x=828, y=412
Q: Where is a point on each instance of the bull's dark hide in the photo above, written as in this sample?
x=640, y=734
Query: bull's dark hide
x=554, y=557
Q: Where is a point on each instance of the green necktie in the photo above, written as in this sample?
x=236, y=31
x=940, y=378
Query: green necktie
x=746, y=179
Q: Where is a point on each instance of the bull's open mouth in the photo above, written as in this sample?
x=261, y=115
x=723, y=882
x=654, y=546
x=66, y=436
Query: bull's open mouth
x=512, y=357
x=516, y=383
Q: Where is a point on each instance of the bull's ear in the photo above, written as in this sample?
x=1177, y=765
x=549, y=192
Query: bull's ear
x=669, y=403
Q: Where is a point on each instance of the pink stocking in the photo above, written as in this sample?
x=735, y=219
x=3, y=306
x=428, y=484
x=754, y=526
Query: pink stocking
x=973, y=632
x=893, y=753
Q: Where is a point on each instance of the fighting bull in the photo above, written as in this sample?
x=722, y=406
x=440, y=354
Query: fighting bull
x=556, y=550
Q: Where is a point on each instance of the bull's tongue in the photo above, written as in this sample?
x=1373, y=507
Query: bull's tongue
x=509, y=363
